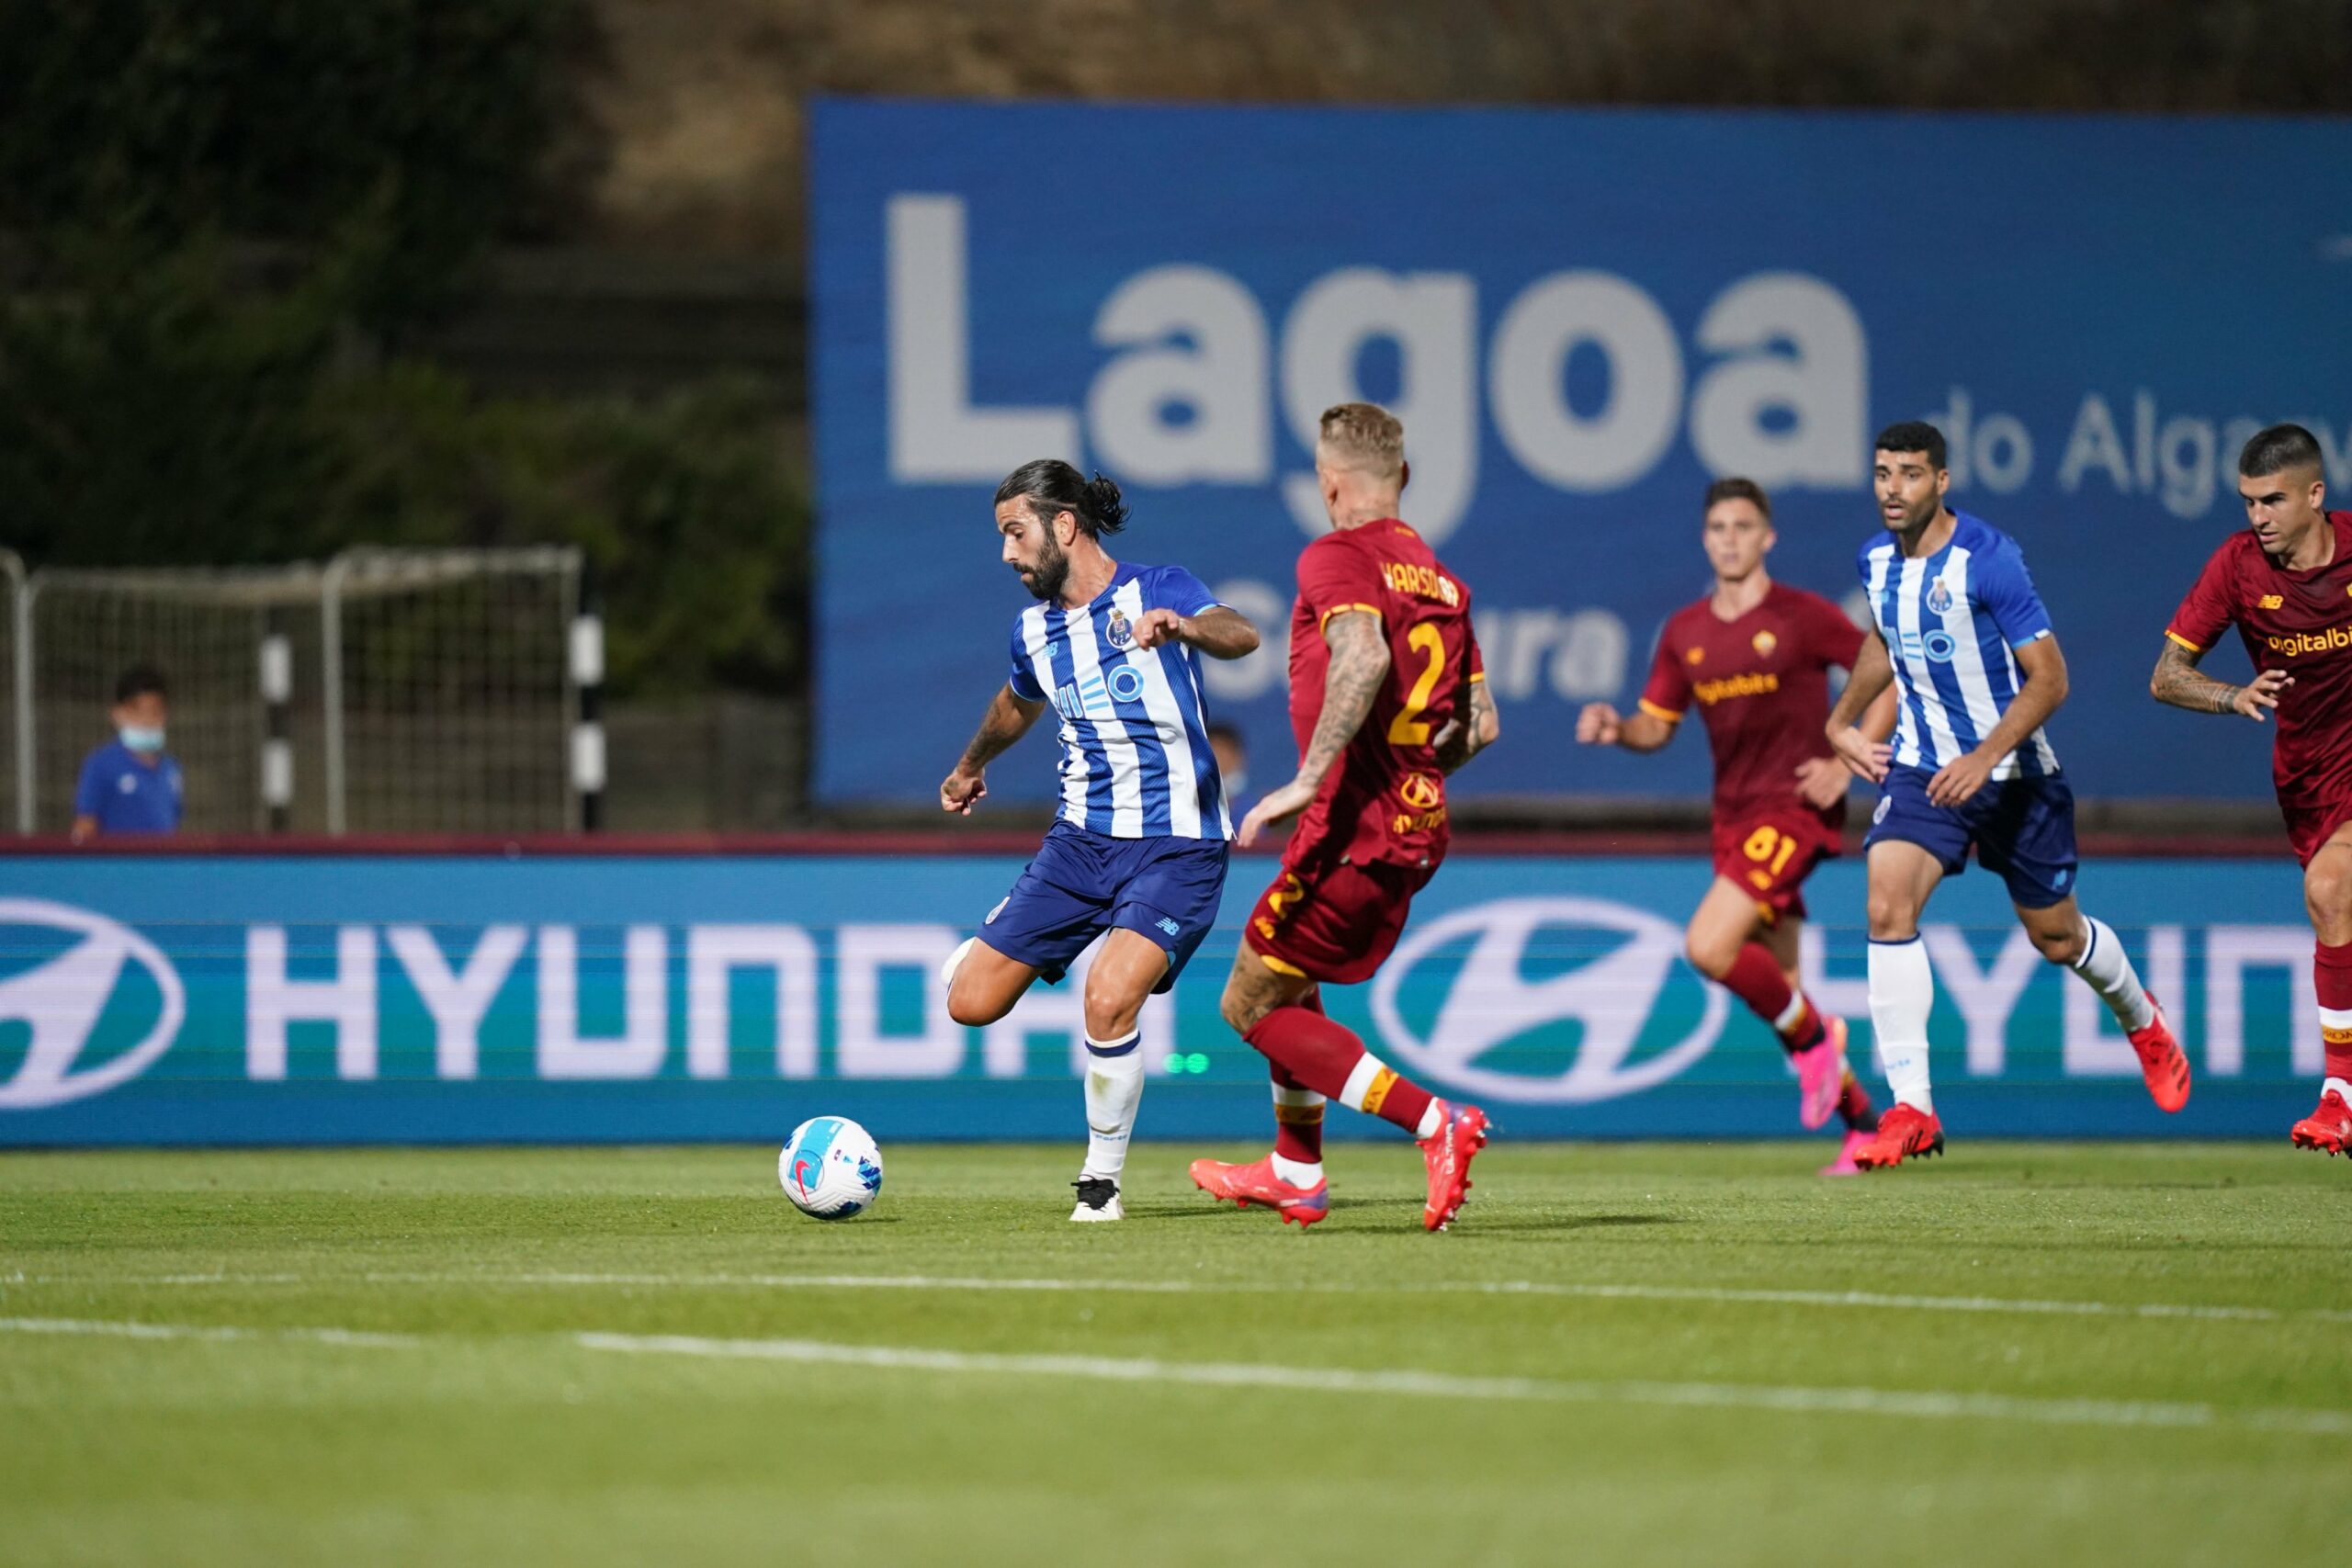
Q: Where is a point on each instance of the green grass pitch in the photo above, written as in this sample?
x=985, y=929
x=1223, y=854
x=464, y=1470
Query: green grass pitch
x=1646, y=1354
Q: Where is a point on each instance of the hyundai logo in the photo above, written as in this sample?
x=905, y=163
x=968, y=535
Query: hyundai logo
x=62, y=1000
x=1491, y=1001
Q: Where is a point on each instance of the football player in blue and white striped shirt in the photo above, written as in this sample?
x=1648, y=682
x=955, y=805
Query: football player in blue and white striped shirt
x=1962, y=634
x=1139, y=847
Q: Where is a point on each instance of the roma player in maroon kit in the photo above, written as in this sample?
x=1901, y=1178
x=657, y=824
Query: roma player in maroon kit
x=2285, y=584
x=1754, y=658
x=1387, y=696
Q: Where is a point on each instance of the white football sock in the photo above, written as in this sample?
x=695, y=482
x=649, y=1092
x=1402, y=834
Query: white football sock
x=1357, y=1090
x=1903, y=993
x=2339, y=1085
x=1792, y=1014
x=1113, y=1089
x=1297, y=1172
x=2107, y=970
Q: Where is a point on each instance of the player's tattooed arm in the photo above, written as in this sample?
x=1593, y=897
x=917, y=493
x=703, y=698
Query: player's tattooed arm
x=1007, y=720
x=1220, y=631
x=1466, y=735
x=1359, y=666
x=2176, y=681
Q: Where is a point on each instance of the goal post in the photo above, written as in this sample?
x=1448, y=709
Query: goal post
x=15, y=699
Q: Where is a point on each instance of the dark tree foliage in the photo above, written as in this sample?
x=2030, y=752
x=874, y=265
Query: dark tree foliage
x=220, y=223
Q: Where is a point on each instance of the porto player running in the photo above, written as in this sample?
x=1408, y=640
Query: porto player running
x=1387, y=696
x=1138, y=849
x=1754, y=657
x=1963, y=636
x=2286, y=583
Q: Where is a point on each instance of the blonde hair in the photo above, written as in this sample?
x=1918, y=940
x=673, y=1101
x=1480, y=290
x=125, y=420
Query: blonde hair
x=1362, y=435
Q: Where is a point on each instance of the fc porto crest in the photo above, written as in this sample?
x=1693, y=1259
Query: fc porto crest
x=1938, y=596
x=1121, y=635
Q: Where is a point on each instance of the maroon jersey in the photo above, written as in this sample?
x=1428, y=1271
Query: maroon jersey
x=2300, y=622
x=1386, y=798
x=1762, y=685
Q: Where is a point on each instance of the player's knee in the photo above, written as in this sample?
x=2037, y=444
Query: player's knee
x=1110, y=1015
x=2059, y=946
x=1241, y=1012
x=1892, y=917
x=1709, y=956
x=967, y=1005
x=2328, y=890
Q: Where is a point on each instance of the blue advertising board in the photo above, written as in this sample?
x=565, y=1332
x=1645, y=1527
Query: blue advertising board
x=1582, y=317
x=430, y=999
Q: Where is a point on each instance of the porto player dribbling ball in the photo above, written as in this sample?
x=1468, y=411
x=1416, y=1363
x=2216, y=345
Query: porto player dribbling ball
x=1136, y=854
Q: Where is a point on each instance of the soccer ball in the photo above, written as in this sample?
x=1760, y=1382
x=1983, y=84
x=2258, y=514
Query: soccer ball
x=831, y=1168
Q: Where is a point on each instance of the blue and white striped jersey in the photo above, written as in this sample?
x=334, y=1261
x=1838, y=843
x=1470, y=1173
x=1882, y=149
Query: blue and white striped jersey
x=1950, y=621
x=1135, y=757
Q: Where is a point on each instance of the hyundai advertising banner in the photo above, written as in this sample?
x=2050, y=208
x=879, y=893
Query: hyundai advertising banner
x=424, y=1000
x=1582, y=317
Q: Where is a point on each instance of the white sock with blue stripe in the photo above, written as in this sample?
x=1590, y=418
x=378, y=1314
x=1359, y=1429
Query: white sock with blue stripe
x=1903, y=993
x=2107, y=969
x=1114, y=1091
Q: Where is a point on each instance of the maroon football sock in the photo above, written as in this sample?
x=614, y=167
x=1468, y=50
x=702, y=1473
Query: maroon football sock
x=1755, y=978
x=1854, y=1106
x=1298, y=1128
x=2332, y=969
x=1324, y=1057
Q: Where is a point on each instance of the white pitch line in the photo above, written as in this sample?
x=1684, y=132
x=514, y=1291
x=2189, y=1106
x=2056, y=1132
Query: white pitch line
x=1706, y=1295
x=72, y=1325
x=1912, y=1404
x=1919, y=1404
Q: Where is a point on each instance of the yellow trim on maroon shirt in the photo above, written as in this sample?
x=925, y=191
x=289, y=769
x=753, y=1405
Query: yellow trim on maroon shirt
x=2182, y=640
x=1372, y=610
x=1477, y=675
x=1279, y=967
x=1651, y=708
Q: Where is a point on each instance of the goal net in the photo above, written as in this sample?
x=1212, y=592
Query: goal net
x=402, y=691
x=201, y=630
x=456, y=692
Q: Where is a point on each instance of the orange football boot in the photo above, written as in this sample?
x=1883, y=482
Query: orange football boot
x=1256, y=1182
x=2161, y=1062
x=1905, y=1132
x=1448, y=1152
x=2329, y=1127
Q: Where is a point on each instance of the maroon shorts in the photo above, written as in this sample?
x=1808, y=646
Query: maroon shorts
x=1337, y=922
x=2310, y=827
x=1769, y=853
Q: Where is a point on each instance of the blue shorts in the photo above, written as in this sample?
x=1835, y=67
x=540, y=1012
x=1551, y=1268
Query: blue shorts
x=2023, y=830
x=1081, y=884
